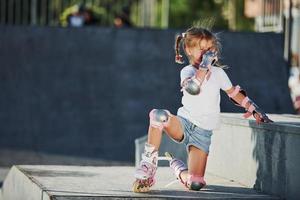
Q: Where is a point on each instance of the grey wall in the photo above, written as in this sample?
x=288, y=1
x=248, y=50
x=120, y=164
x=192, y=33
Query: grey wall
x=87, y=92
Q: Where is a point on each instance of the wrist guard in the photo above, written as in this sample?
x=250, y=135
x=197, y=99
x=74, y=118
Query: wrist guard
x=253, y=109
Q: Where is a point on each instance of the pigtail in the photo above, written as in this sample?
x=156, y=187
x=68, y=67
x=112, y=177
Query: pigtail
x=178, y=56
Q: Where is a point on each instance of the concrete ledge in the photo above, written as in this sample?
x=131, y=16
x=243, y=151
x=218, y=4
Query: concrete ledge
x=33, y=157
x=78, y=182
x=265, y=157
x=283, y=123
x=18, y=186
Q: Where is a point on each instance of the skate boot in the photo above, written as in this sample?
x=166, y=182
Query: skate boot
x=178, y=166
x=145, y=173
x=195, y=182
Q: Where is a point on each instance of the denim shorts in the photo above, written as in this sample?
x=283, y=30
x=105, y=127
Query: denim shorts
x=195, y=136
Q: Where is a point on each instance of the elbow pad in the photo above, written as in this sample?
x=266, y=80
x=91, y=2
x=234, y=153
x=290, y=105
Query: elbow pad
x=253, y=109
x=192, y=86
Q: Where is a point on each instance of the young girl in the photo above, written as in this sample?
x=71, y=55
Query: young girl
x=201, y=82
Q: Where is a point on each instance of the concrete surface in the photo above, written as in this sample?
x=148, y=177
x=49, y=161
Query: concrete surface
x=83, y=182
x=3, y=173
x=26, y=157
x=265, y=157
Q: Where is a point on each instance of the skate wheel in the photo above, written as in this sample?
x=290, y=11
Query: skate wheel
x=140, y=186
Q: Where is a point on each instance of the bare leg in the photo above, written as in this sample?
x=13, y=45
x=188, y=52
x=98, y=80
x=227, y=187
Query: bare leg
x=196, y=163
x=154, y=137
x=146, y=171
x=173, y=129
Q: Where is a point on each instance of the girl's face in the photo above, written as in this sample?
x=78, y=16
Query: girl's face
x=196, y=52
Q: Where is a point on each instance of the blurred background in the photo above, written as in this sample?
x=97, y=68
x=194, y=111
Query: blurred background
x=79, y=77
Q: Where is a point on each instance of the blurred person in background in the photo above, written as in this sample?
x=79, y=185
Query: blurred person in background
x=80, y=15
x=122, y=20
x=295, y=44
x=294, y=85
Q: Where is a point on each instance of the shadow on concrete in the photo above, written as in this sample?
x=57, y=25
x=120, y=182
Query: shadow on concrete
x=210, y=192
x=51, y=173
x=32, y=157
x=213, y=191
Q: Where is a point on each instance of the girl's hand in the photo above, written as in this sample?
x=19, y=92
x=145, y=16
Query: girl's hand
x=261, y=117
x=208, y=59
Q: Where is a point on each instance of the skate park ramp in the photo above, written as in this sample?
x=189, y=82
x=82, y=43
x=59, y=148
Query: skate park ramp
x=92, y=183
x=82, y=96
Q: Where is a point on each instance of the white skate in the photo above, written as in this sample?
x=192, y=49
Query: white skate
x=145, y=173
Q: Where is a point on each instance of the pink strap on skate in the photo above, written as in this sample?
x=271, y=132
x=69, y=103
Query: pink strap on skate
x=244, y=102
x=178, y=166
x=146, y=167
x=235, y=92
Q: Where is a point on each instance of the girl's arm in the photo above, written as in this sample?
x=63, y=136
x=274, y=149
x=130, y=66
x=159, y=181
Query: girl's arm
x=192, y=84
x=240, y=98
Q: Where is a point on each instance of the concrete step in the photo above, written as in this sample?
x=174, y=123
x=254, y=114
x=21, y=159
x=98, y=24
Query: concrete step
x=41, y=182
x=3, y=172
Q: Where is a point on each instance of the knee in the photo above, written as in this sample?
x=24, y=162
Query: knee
x=159, y=118
x=195, y=182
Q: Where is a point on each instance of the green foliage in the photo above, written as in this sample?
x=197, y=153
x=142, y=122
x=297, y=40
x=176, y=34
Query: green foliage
x=243, y=23
x=216, y=14
x=183, y=13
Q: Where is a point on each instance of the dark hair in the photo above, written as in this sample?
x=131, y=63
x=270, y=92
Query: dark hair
x=191, y=38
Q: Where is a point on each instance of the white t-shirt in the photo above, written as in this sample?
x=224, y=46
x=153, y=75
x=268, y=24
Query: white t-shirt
x=203, y=109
